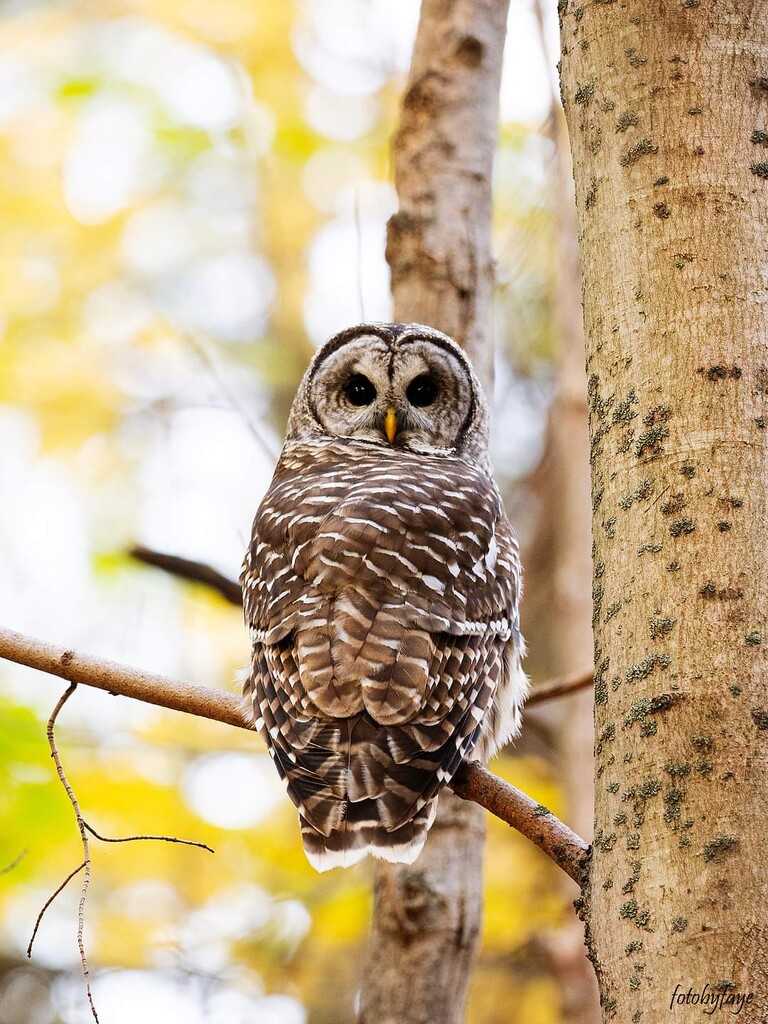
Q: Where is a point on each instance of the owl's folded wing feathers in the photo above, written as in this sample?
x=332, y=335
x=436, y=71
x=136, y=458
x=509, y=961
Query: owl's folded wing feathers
x=382, y=599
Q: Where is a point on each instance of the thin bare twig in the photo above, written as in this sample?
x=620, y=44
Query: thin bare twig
x=216, y=374
x=14, y=863
x=359, y=242
x=187, y=569
x=560, y=687
x=84, y=839
x=48, y=902
x=84, y=828
x=134, y=839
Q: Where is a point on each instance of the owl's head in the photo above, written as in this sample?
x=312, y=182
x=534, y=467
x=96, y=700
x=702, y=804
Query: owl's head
x=400, y=385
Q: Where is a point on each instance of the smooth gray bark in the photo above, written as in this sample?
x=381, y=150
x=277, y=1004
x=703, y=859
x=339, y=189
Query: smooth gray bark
x=427, y=916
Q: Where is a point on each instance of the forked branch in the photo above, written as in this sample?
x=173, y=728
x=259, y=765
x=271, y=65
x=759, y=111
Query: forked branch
x=84, y=828
x=86, y=854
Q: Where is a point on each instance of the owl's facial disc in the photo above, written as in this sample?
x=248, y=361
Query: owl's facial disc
x=411, y=392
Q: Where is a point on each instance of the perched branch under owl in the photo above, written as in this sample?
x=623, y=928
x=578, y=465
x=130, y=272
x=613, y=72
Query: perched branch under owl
x=472, y=782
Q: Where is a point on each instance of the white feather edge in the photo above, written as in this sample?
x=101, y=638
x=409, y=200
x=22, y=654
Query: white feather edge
x=507, y=713
x=403, y=853
x=328, y=859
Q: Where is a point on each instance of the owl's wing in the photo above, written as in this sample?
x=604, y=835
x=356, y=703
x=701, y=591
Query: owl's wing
x=382, y=599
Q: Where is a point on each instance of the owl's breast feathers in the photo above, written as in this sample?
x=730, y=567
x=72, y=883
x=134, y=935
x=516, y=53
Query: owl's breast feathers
x=381, y=588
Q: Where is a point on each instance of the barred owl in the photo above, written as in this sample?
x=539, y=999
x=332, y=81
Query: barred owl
x=381, y=590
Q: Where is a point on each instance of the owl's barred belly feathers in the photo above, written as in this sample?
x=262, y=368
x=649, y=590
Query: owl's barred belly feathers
x=381, y=589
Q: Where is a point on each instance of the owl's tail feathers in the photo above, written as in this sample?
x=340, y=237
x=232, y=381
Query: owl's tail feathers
x=362, y=834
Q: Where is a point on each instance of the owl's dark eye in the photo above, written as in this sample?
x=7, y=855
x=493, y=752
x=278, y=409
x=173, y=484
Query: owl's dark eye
x=359, y=390
x=422, y=390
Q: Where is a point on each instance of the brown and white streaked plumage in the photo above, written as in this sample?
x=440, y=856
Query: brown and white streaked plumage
x=381, y=588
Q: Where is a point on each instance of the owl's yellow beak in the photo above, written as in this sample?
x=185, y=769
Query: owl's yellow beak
x=390, y=425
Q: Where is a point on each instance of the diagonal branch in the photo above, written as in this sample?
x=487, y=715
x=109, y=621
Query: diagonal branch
x=49, y=901
x=186, y=569
x=535, y=821
x=560, y=687
x=14, y=863
x=473, y=782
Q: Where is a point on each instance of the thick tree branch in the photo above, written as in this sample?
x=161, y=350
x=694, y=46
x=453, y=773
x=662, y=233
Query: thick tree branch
x=536, y=822
x=473, y=782
x=218, y=705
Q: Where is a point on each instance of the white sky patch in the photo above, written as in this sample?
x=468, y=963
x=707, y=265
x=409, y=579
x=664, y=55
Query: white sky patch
x=127, y=996
x=161, y=239
x=111, y=161
x=205, y=939
x=519, y=411
x=197, y=87
x=20, y=88
x=39, y=507
x=347, y=264
x=233, y=790
x=55, y=944
x=339, y=116
x=292, y=920
x=330, y=172
x=206, y=936
x=526, y=84
x=334, y=45
x=201, y=486
x=146, y=900
x=116, y=312
x=49, y=588
x=222, y=184
x=228, y=295
x=353, y=48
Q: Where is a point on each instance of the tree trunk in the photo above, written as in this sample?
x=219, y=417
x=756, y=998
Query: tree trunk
x=559, y=573
x=427, y=916
x=667, y=107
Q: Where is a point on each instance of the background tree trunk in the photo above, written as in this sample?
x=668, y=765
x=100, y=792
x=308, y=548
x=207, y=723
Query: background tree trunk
x=667, y=107
x=427, y=916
